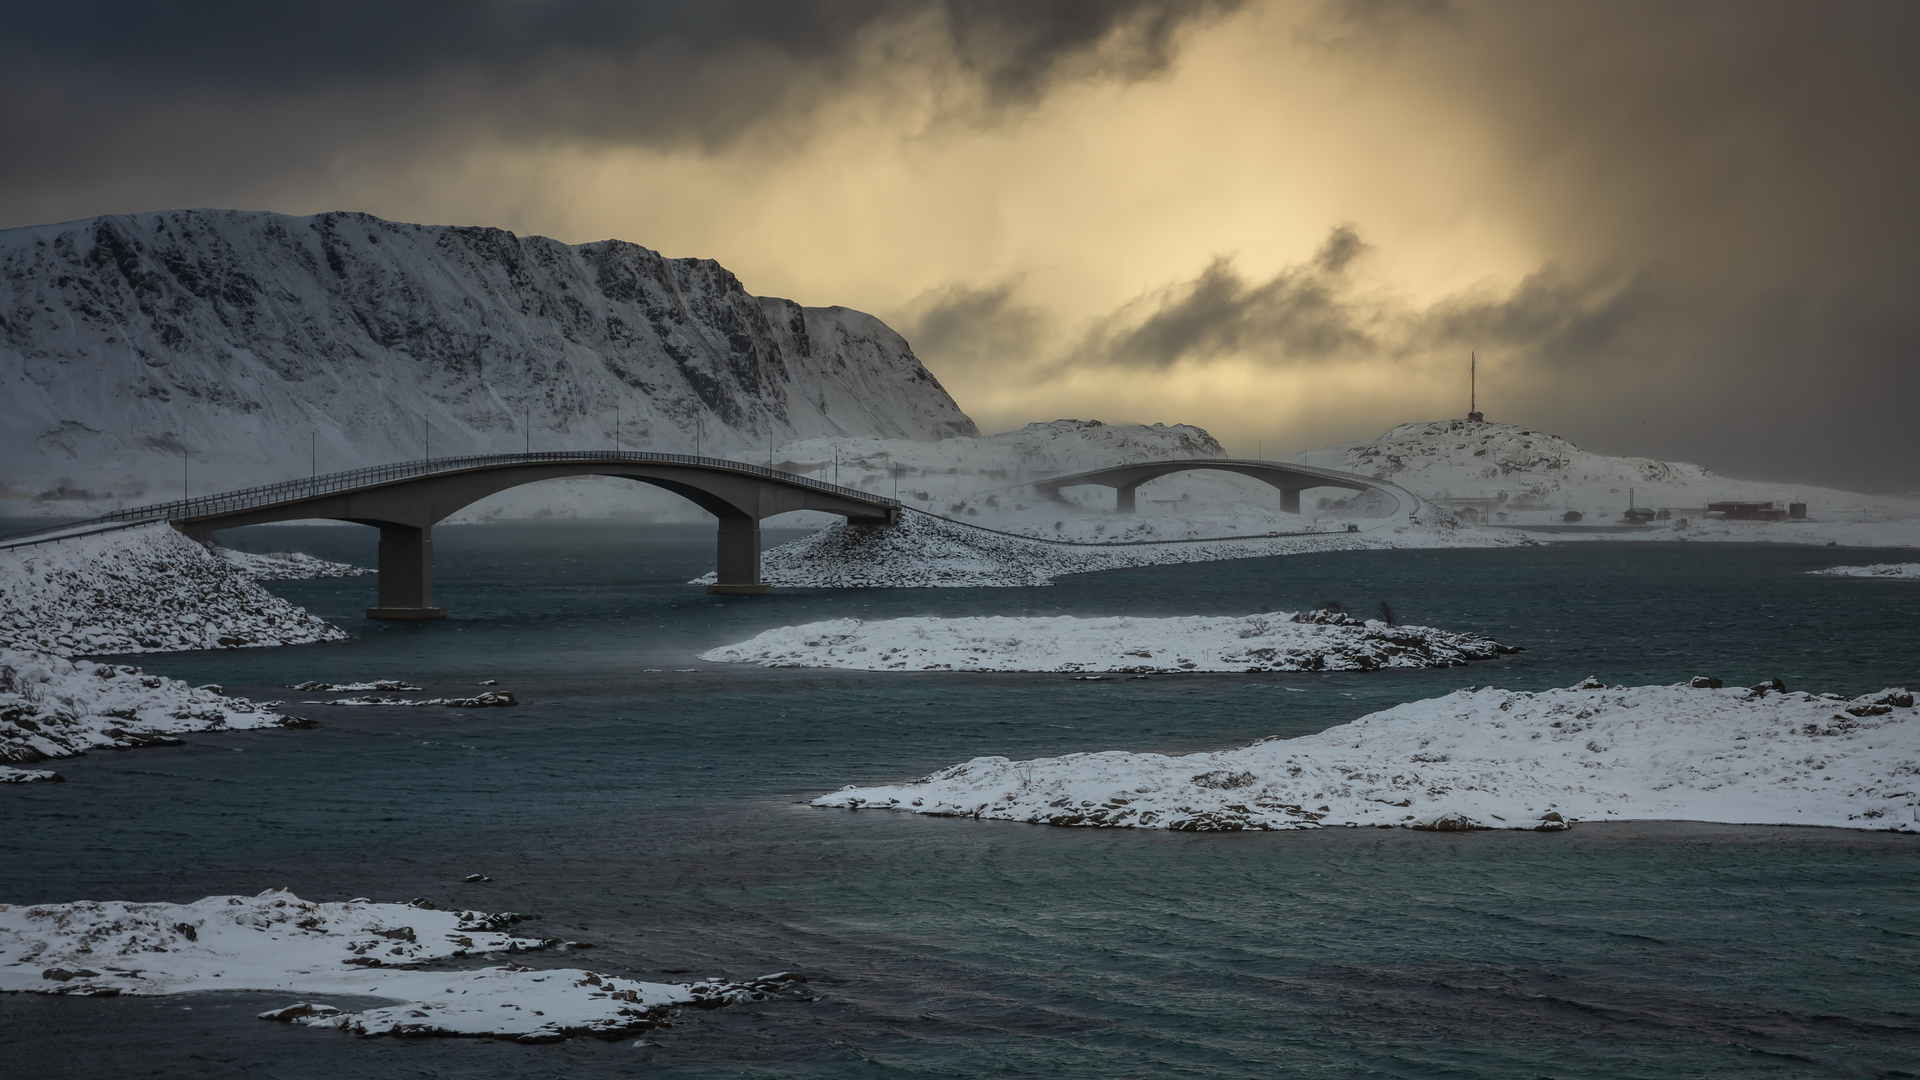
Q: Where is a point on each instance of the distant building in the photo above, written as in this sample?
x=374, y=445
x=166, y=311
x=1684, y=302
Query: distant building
x=1636, y=515
x=1572, y=516
x=1738, y=510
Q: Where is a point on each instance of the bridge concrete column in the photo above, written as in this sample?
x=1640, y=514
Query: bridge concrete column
x=406, y=574
x=1125, y=500
x=739, y=562
x=1290, y=500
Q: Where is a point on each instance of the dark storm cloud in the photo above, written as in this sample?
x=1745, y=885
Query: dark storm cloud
x=1303, y=313
x=1727, y=191
x=274, y=48
x=1317, y=313
x=114, y=106
x=630, y=69
x=976, y=329
x=1752, y=167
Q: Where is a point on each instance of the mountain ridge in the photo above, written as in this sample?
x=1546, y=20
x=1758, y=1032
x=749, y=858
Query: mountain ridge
x=128, y=341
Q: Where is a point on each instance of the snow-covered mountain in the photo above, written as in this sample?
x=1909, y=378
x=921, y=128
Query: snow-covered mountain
x=258, y=346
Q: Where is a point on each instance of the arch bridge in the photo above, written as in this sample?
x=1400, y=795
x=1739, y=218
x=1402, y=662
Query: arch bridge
x=1289, y=478
x=404, y=501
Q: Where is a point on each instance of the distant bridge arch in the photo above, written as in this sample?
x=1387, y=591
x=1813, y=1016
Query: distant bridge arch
x=404, y=501
x=1289, y=478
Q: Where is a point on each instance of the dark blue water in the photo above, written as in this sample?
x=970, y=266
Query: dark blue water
x=659, y=813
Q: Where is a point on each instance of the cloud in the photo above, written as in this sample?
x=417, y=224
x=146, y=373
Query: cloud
x=276, y=88
x=1686, y=230
x=1318, y=313
x=976, y=330
x=1303, y=313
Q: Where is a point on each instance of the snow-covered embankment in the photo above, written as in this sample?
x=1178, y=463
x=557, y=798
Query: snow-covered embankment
x=146, y=589
x=278, y=942
x=1307, y=641
x=1485, y=758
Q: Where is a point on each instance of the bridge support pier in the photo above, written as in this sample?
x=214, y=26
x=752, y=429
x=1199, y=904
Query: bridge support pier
x=406, y=574
x=1290, y=500
x=738, y=569
x=1125, y=500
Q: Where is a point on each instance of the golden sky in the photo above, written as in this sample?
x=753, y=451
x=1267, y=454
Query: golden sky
x=1681, y=230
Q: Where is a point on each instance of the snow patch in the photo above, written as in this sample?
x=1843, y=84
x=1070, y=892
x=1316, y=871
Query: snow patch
x=1308, y=641
x=1485, y=758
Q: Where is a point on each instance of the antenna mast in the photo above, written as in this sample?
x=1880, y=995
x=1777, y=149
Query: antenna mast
x=1473, y=387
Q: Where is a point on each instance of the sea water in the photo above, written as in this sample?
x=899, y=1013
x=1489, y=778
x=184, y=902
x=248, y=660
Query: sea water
x=655, y=806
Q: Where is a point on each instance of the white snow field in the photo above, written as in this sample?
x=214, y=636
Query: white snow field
x=278, y=942
x=1909, y=571
x=1485, y=758
x=1307, y=641
x=145, y=589
x=51, y=707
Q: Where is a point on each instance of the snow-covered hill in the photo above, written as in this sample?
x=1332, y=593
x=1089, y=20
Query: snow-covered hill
x=1500, y=473
x=243, y=341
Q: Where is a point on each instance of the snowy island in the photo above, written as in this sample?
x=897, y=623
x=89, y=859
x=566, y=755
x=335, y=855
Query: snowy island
x=1484, y=759
x=1304, y=641
x=278, y=942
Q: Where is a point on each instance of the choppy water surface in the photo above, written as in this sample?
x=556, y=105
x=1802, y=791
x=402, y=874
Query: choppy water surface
x=654, y=805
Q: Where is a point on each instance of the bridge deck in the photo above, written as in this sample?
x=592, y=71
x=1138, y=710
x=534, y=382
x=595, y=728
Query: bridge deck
x=288, y=492
x=405, y=500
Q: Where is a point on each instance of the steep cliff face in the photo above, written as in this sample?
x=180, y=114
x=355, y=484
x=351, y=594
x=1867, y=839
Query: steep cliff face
x=250, y=347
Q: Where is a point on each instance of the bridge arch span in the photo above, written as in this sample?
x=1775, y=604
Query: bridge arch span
x=404, y=501
x=1289, y=478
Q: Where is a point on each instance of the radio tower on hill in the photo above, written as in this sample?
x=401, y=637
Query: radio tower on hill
x=1473, y=388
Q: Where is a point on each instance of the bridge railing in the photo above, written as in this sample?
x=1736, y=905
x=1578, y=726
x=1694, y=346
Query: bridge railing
x=290, y=491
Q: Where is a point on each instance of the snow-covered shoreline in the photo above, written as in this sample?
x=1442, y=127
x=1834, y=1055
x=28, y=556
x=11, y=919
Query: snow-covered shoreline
x=1896, y=571
x=1307, y=641
x=277, y=942
x=51, y=707
x=287, y=565
x=1485, y=758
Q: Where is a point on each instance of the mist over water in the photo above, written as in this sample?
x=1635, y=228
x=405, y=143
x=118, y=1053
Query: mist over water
x=653, y=806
